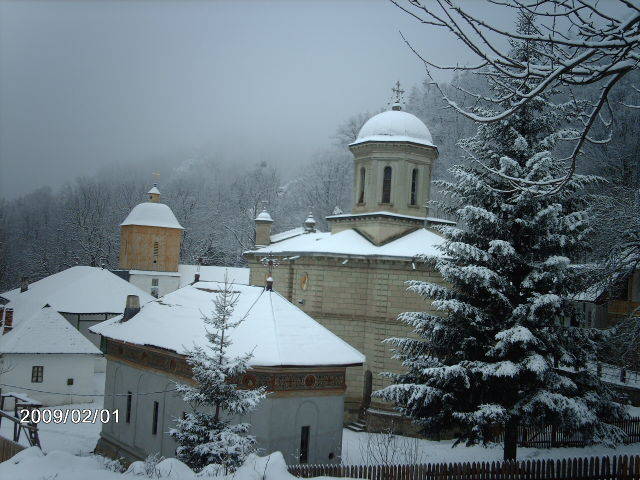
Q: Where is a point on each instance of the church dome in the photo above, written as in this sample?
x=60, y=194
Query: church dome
x=394, y=126
x=152, y=214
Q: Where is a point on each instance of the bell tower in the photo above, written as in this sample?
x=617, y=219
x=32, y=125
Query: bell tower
x=150, y=237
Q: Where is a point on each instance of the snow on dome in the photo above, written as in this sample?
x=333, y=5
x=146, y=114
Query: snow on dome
x=264, y=216
x=395, y=126
x=154, y=189
x=152, y=214
x=275, y=330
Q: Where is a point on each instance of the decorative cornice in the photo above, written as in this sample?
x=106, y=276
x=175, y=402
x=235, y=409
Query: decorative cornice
x=330, y=380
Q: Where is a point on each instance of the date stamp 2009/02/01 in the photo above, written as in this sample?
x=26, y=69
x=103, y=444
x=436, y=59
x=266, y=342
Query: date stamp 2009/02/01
x=74, y=415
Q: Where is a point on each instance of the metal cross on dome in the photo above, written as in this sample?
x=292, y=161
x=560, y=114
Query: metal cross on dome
x=398, y=92
x=270, y=262
x=156, y=176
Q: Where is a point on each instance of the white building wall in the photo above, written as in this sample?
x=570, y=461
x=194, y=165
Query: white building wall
x=276, y=423
x=166, y=283
x=16, y=371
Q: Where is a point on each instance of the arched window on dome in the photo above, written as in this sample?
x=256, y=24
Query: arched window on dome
x=414, y=187
x=362, y=179
x=386, y=185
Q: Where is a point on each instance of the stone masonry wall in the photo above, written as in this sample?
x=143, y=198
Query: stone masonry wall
x=359, y=301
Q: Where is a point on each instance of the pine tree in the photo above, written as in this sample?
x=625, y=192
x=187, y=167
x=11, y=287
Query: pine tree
x=484, y=356
x=206, y=435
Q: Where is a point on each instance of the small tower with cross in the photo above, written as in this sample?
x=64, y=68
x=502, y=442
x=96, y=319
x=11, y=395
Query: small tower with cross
x=397, y=96
x=150, y=239
x=154, y=193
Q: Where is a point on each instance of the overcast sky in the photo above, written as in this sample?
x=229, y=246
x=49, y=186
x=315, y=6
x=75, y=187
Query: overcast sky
x=85, y=84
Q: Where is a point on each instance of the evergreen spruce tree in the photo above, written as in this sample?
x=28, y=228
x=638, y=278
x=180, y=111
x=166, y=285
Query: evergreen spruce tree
x=206, y=435
x=484, y=355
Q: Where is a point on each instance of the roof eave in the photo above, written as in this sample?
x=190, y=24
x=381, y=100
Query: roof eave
x=338, y=255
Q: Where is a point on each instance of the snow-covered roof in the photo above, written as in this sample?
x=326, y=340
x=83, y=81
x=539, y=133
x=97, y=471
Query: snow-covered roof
x=154, y=189
x=46, y=331
x=264, y=216
x=75, y=290
x=351, y=243
x=395, y=126
x=212, y=274
x=276, y=331
x=152, y=214
x=591, y=294
x=294, y=232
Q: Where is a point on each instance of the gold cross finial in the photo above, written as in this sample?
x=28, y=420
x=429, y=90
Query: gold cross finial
x=398, y=92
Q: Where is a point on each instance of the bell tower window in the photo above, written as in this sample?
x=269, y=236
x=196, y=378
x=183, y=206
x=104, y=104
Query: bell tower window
x=414, y=187
x=156, y=249
x=386, y=185
x=362, y=179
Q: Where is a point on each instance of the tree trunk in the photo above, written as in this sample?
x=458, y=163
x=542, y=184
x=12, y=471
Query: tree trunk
x=510, y=439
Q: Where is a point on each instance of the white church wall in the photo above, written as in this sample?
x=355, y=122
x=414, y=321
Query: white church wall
x=82, y=321
x=166, y=283
x=58, y=368
x=276, y=423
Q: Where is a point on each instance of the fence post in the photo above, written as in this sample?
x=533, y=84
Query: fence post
x=599, y=370
x=623, y=375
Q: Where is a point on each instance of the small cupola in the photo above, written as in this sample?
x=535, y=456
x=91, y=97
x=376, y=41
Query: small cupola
x=310, y=223
x=263, y=228
x=154, y=194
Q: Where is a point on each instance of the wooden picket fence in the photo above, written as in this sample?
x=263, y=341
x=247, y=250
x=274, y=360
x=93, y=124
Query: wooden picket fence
x=8, y=448
x=605, y=468
x=550, y=437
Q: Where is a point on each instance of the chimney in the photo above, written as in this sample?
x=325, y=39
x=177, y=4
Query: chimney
x=24, y=284
x=263, y=229
x=8, y=320
x=132, y=307
x=269, y=286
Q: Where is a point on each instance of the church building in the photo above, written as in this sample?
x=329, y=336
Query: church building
x=353, y=279
x=301, y=364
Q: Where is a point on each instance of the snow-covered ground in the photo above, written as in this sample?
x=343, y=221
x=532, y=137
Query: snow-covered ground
x=67, y=437
x=360, y=448
x=69, y=446
x=31, y=464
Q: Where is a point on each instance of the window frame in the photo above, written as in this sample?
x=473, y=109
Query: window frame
x=154, y=423
x=37, y=374
x=413, y=191
x=363, y=178
x=386, y=185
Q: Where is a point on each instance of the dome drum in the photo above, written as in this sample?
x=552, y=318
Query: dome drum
x=393, y=158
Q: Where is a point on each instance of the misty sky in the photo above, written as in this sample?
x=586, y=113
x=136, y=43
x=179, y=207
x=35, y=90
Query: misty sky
x=86, y=84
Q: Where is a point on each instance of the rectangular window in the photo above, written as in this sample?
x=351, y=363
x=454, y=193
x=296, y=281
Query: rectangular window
x=127, y=417
x=154, y=282
x=414, y=187
x=304, y=444
x=37, y=374
x=154, y=426
x=156, y=248
x=69, y=381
